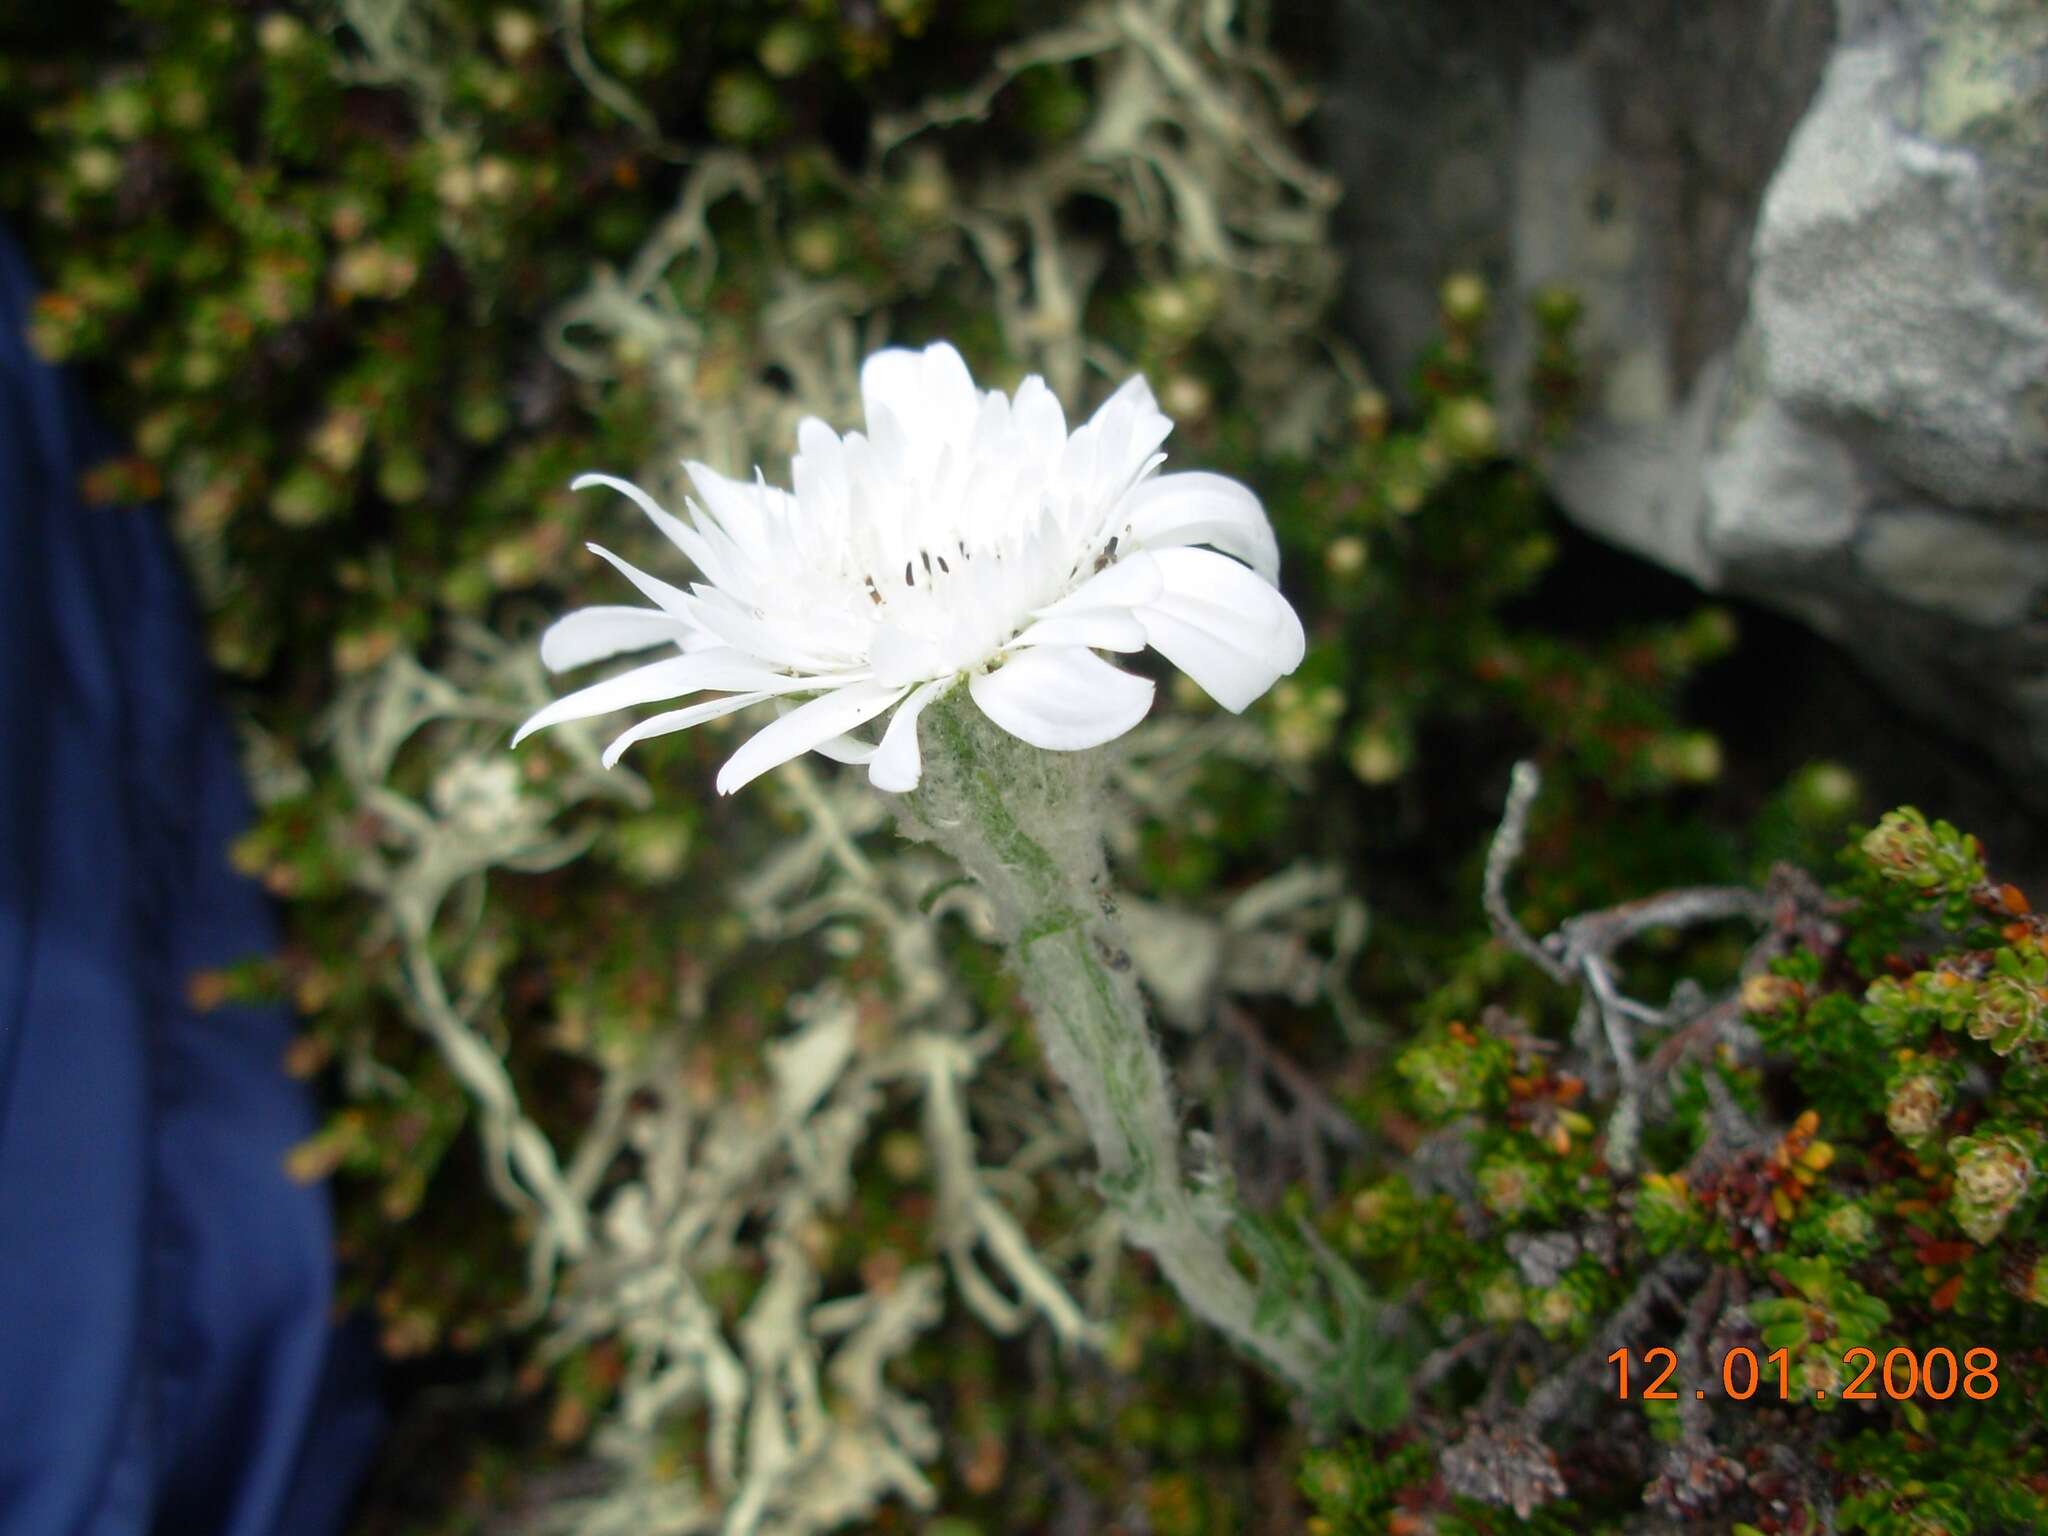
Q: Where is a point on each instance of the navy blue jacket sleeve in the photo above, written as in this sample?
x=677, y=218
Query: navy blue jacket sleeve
x=168, y=1362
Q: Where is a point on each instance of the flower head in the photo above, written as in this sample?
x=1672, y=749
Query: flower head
x=967, y=534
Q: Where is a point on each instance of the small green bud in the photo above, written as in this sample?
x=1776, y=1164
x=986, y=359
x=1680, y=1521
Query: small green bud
x=1849, y=1229
x=1556, y=308
x=1500, y=1300
x=1904, y=846
x=1819, y=1376
x=278, y=34
x=1557, y=1311
x=1326, y=1478
x=1185, y=397
x=481, y=417
x=338, y=440
x=1824, y=792
x=401, y=476
x=1370, y=414
x=200, y=368
x=1690, y=757
x=1405, y=487
x=125, y=111
x=1467, y=427
x=1304, y=719
x=514, y=562
x=1176, y=311
x=787, y=47
x=2009, y=1012
x=1916, y=1105
x=1446, y=1076
x=903, y=1155
x=639, y=49
x=743, y=108
x=1712, y=631
x=455, y=186
x=96, y=168
x=815, y=247
x=516, y=33
x=927, y=190
x=304, y=497
x=1463, y=298
x=1994, y=1174
x=1345, y=556
x=1510, y=1187
x=496, y=179
x=1380, y=752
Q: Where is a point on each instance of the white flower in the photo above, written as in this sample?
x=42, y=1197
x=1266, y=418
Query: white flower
x=967, y=533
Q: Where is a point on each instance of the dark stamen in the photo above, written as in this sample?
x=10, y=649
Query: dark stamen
x=908, y=579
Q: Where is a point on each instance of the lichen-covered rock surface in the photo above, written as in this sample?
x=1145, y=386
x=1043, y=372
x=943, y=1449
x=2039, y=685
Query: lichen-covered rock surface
x=1809, y=243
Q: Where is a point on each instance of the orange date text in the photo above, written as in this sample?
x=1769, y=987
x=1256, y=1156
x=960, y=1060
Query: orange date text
x=1898, y=1373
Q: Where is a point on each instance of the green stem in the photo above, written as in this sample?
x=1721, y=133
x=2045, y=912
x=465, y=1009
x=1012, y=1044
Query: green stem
x=1025, y=824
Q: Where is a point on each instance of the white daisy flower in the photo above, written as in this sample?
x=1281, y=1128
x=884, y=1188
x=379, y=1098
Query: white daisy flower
x=966, y=534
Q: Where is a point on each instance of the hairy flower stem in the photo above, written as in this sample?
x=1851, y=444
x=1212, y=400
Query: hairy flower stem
x=1026, y=825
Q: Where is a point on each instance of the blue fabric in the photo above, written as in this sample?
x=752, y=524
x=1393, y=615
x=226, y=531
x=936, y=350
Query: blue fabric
x=167, y=1358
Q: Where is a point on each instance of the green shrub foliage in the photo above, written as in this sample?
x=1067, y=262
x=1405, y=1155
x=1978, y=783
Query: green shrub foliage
x=1841, y=1178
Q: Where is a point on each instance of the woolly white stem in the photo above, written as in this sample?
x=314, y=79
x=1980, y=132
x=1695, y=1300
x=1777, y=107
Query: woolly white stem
x=1026, y=825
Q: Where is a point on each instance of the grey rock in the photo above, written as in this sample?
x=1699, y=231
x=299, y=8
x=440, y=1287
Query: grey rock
x=1972, y=572
x=1777, y=494
x=1879, y=299
x=1812, y=243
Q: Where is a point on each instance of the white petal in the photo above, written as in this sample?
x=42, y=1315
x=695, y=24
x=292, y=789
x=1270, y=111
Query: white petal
x=626, y=488
x=678, y=720
x=1134, y=395
x=1195, y=507
x=1039, y=421
x=929, y=394
x=949, y=395
x=850, y=750
x=732, y=502
x=894, y=440
x=745, y=519
x=667, y=679
x=711, y=709
x=685, y=538
x=592, y=634
x=832, y=714
x=1128, y=582
x=991, y=426
x=672, y=599
x=722, y=615
x=1061, y=698
x=900, y=655
x=818, y=472
x=1102, y=629
x=890, y=380
x=897, y=766
x=1219, y=623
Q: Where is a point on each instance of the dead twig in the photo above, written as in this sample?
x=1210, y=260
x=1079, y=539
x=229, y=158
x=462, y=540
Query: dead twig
x=1581, y=953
